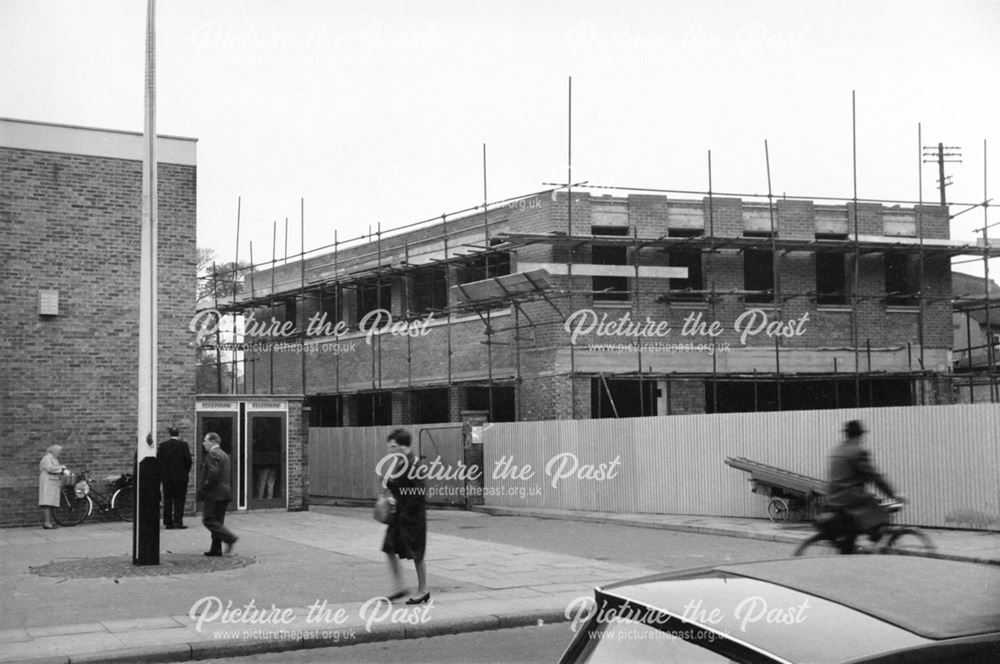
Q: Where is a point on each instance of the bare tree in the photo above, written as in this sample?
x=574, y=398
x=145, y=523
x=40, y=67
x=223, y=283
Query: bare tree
x=216, y=282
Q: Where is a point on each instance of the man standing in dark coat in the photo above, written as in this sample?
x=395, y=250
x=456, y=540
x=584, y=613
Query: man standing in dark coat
x=216, y=492
x=174, y=457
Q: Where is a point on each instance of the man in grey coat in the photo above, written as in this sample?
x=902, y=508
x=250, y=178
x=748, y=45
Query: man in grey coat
x=850, y=470
x=216, y=492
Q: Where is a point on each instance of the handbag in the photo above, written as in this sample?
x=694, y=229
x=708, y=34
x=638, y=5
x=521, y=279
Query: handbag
x=385, y=506
x=385, y=509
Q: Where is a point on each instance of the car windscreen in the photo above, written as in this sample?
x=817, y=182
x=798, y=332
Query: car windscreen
x=786, y=623
x=638, y=643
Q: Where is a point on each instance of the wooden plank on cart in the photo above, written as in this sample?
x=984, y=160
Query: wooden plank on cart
x=762, y=473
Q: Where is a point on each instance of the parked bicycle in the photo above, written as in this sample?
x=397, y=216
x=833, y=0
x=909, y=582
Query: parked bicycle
x=887, y=538
x=78, y=496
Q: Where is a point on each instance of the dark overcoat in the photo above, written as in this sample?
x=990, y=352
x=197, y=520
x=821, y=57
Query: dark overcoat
x=406, y=534
x=174, y=456
x=215, y=484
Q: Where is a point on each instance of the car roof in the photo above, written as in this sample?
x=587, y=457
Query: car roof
x=932, y=598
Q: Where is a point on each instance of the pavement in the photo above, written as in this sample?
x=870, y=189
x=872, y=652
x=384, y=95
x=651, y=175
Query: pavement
x=308, y=580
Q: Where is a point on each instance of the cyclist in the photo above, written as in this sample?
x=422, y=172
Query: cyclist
x=855, y=510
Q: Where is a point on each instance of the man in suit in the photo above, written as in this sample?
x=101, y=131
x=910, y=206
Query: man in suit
x=850, y=469
x=175, y=466
x=216, y=492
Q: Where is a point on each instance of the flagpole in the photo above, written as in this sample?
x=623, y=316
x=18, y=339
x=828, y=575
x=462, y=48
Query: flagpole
x=146, y=525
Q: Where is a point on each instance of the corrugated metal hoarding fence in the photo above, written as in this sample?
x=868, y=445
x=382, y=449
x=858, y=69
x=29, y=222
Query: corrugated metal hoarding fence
x=342, y=461
x=946, y=459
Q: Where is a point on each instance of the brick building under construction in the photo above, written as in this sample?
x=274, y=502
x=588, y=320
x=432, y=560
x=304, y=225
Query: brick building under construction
x=611, y=306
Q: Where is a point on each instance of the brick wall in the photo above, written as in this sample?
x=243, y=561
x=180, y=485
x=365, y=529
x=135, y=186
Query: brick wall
x=796, y=220
x=687, y=397
x=72, y=223
x=298, y=458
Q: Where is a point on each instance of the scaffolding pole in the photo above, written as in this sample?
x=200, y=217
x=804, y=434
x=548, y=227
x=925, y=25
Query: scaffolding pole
x=253, y=362
x=635, y=301
x=775, y=267
x=920, y=276
x=990, y=351
x=236, y=263
x=377, y=364
x=712, y=297
x=274, y=257
x=447, y=283
x=218, y=339
x=302, y=284
x=569, y=227
x=339, y=304
x=857, y=255
x=486, y=264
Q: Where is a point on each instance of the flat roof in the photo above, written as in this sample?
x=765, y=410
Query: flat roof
x=93, y=142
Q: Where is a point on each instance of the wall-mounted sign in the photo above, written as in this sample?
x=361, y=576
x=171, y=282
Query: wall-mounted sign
x=267, y=405
x=216, y=405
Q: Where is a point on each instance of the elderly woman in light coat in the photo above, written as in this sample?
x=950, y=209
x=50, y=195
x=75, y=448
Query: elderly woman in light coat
x=49, y=481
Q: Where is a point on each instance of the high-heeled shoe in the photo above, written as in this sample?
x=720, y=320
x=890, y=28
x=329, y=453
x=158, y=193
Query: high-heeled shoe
x=398, y=595
x=419, y=600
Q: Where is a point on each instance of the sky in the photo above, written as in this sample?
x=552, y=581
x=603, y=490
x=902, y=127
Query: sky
x=344, y=115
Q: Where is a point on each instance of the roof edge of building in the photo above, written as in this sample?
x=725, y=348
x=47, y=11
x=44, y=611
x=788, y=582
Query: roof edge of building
x=92, y=141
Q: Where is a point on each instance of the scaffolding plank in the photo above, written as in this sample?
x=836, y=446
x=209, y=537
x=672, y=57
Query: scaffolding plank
x=506, y=287
x=593, y=270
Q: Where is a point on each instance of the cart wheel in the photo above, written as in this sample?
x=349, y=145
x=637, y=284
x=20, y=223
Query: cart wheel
x=777, y=509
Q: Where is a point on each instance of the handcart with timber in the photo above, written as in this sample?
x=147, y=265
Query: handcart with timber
x=789, y=493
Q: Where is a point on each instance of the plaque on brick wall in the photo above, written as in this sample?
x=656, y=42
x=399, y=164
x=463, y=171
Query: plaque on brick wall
x=48, y=303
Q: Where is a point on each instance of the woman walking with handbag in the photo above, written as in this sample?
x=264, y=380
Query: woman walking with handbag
x=406, y=535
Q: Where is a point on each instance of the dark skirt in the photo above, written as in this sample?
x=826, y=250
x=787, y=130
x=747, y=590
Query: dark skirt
x=406, y=535
x=406, y=538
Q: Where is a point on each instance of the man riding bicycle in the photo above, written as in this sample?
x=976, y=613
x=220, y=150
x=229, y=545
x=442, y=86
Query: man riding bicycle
x=855, y=510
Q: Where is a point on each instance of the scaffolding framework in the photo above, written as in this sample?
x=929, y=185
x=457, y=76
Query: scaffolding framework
x=494, y=244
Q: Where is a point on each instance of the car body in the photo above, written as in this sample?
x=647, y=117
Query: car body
x=808, y=610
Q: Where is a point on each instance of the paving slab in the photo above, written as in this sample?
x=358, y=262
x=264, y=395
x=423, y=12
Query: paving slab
x=304, y=568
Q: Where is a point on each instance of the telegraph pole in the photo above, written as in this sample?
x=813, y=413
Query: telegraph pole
x=942, y=154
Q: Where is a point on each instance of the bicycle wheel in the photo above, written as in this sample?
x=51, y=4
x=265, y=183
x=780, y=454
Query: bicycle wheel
x=123, y=503
x=908, y=541
x=72, y=508
x=816, y=545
